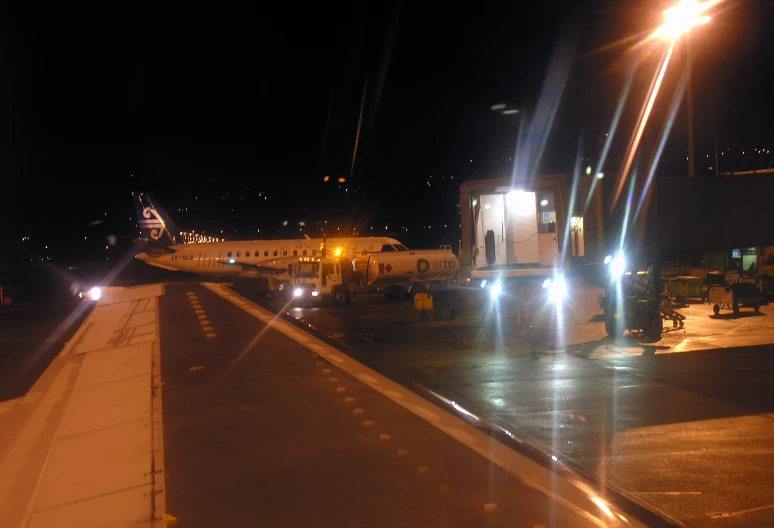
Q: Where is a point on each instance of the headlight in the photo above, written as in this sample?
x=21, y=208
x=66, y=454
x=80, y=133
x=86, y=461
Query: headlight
x=617, y=266
x=298, y=292
x=483, y=283
x=496, y=290
x=95, y=293
x=315, y=293
x=557, y=289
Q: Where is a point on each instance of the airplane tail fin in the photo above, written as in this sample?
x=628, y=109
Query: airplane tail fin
x=154, y=223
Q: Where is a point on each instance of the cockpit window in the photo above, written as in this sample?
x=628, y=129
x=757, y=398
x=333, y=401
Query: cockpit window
x=387, y=247
x=401, y=247
x=308, y=270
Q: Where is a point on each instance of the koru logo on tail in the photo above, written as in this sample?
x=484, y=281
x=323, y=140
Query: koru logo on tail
x=153, y=222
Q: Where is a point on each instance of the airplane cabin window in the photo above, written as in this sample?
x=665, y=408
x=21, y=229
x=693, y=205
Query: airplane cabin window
x=314, y=252
x=387, y=247
x=304, y=252
x=239, y=253
x=229, y=254
x=295, y=252
x=247, y=253
x=275, y=252
x=284, y=252
x=266, y=253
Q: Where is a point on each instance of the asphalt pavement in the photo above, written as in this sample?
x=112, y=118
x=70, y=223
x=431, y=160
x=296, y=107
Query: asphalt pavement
x=260, y=431
x=683, y=423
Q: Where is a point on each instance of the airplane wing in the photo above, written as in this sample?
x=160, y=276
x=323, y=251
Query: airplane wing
x=255, y=269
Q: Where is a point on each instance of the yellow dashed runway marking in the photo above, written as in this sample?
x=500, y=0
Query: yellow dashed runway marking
x=333, y=380
x=349, y=399
x=368, y=423
x=199, y=312
x=194, y=369
x=207, y=329
x=402, y=452
x=357, y=412
x=205, y=322
x=341, y=389
x=421, y=470
x=384, y=437
x=210, y=335
x=202, y=317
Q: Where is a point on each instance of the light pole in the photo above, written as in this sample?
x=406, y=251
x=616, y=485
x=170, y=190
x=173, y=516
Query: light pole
x=678, y=21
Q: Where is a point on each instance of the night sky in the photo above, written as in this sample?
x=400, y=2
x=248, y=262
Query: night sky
x=232, y=116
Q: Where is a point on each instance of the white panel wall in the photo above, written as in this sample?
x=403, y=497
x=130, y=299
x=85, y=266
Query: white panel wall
x=522, y=229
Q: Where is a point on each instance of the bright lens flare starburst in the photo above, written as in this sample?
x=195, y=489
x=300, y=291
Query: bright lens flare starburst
x=682, y=17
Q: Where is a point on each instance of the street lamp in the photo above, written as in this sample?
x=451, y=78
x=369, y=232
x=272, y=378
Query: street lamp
x=678, y=21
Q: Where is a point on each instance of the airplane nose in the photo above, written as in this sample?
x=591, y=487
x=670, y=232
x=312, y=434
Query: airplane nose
x=141, y=256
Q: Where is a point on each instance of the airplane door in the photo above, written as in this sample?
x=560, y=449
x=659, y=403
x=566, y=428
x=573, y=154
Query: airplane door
x=285, y=251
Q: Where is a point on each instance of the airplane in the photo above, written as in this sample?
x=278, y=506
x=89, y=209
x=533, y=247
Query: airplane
x=162, y=247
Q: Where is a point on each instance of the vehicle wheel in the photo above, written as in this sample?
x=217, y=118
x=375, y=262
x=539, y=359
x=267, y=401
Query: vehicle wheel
x=736, y=309
x=757, y=308
x=612, y=327
x=423, y=315
x=674, y=322
x=656, y=326
x=716, y=309
x=339, y=297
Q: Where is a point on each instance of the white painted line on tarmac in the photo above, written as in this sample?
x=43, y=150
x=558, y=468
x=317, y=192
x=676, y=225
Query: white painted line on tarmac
x=569, y=490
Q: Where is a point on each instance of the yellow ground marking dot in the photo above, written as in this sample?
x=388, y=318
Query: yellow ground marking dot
x=194, y=369
x=326, y=371
x=349, y=399
x=357, y=412
x=211, y=335
x=444, y=488
x=204, y=322
x=207, y=329
x=384, y=437
x=199, y=312
x=368, y=423
x=421, y=470
x=402, y=452
x=191, y=293
x=490, y=507
x=334, y=380
x=314, y=356
x=341, y=389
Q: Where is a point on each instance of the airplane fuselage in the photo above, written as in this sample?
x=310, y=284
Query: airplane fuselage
x=252, y=257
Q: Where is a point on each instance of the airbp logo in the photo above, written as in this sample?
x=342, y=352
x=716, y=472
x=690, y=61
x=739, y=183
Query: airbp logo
x=422, y=266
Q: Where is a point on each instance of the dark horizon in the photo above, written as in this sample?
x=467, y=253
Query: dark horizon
x=208, y=104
